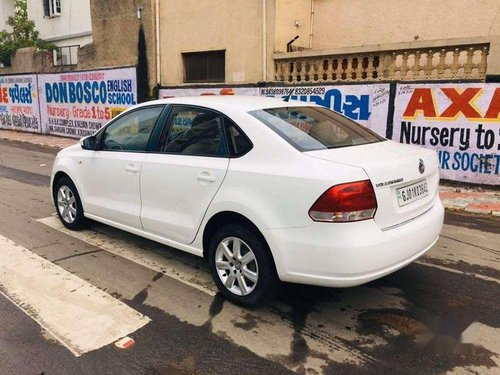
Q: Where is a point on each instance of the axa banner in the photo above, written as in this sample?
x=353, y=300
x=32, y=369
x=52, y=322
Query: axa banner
x=460, y=121
x=19, y=103
x=366, y=104
x=78, y=104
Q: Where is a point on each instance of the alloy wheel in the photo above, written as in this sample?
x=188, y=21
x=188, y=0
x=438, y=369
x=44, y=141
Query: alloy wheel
x=66, y=204
x=236, y=266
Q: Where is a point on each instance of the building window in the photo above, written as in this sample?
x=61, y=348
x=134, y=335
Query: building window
x=204, y=66
x=46, y=8
x=52, y=8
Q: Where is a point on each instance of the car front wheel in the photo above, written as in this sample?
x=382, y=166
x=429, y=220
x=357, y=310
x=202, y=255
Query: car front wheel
x=68, y=204
x=241, y=265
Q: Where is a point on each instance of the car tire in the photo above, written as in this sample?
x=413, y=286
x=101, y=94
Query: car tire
x=68, y=204
x=252, y=266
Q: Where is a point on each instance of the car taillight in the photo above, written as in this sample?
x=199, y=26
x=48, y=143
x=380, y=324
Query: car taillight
x=353, y=201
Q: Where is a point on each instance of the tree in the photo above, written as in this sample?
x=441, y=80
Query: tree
x=23, y=34
x=142, y=68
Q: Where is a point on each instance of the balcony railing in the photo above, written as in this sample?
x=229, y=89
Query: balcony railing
x=436, y=63
x=66, y=55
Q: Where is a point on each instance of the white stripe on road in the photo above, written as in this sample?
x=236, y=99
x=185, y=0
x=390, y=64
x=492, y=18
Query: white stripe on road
x=79, y=315
x=271, y=335
x=423, y=262
x=171, y=267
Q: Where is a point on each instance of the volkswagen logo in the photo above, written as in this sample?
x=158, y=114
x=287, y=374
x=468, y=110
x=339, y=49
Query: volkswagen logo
x=421, y=166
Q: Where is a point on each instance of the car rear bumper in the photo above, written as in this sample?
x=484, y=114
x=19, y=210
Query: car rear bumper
x=350, y=254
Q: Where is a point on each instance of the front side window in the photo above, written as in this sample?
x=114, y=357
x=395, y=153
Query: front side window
x=194, y=131
x=315, y=128
x=131, y=131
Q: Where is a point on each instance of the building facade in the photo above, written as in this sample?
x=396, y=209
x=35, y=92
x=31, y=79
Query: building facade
x=251, y=42
x=6, y=10
x=294, y=41
x=66, y=23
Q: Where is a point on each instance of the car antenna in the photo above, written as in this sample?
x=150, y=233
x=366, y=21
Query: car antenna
x=290, y=94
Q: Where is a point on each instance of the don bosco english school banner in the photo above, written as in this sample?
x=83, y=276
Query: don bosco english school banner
x=366, y=104
x=19, y=103
x=460, y=121
x=78, y=104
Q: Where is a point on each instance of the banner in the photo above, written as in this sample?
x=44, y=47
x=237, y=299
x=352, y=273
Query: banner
x=366, y=104
x=78, y=104
x=19, y=103
x=460, y=121
x=171, y=93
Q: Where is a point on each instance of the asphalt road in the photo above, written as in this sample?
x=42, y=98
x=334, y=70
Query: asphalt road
x=438, y=315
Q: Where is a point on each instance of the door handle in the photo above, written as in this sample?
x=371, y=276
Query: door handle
x=205, y=177
x=131, y=168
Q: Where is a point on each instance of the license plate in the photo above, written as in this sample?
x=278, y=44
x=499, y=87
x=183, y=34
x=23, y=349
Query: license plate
x=412, y=193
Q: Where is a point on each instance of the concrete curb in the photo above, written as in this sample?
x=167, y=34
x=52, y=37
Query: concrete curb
x=472, y=200
x=37, y=139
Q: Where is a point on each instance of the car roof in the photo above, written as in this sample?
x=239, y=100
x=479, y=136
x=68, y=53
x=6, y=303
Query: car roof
x=236, y=102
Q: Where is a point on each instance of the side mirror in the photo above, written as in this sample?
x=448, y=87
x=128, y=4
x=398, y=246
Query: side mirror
x=89, y=143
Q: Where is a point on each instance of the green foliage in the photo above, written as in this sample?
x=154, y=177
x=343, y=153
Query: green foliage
x=142, y=68
x=23, y=34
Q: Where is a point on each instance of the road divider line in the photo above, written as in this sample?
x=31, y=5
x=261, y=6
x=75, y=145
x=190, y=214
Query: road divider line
x=173, y=268
x=79, y=315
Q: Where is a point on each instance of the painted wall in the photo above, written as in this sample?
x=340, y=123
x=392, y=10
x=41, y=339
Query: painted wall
x=116, y=35
x=236, y=26
x=19, y=109
x=461, y=121
x=74, y=26
x=293, y=18
x=72, y=104
x=345, y=23
x=231, y=25
x=6, y=10
x=77, y=104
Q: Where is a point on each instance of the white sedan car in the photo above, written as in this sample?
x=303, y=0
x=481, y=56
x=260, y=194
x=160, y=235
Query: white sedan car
x=263, y=188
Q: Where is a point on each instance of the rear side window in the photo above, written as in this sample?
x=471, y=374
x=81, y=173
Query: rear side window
x=131, y=131
x=238, y=143
x=315, y=128
x=194, y=131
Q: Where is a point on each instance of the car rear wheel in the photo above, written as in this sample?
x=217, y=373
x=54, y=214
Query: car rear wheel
x=241, y=265
x=68, y=204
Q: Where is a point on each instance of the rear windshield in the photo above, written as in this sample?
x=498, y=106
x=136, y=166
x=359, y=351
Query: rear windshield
x=315, y=128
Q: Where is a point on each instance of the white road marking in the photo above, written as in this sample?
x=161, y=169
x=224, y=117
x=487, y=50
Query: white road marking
x=456, y=249
x=481, y=335
x=170, y=267
x=423, y=262
x=264, y=331
x=272, y=335
x=198, y=280
x=79, y=315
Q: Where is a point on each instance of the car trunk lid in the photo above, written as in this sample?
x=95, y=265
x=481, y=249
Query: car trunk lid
x=405, y=178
